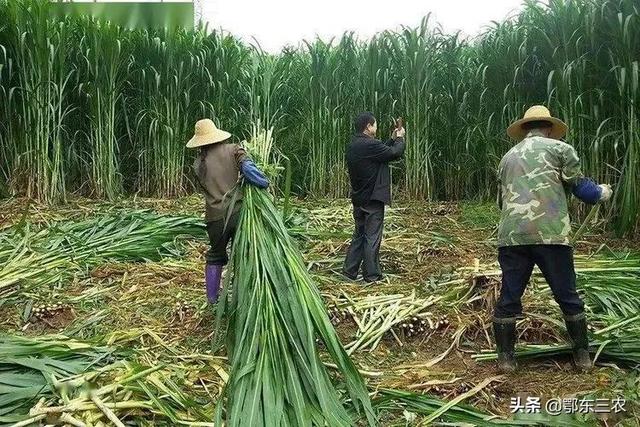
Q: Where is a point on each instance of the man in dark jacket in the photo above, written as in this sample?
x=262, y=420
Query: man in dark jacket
x=368, y=162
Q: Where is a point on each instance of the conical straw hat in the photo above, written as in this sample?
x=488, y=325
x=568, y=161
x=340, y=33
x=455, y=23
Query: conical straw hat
x=207, y=133
x=537, y=113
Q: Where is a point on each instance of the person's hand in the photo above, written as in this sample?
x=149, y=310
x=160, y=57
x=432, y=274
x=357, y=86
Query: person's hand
x=607, y=192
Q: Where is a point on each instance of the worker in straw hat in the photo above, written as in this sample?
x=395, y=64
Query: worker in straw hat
x=535, y=177
x=218, y=169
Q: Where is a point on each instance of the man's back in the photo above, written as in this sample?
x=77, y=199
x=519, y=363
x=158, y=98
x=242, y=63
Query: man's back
x=534, y=176
x=222, y=169
x=367, y=162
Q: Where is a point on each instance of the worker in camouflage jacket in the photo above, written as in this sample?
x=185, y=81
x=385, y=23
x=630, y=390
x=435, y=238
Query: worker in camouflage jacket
x=536, y=176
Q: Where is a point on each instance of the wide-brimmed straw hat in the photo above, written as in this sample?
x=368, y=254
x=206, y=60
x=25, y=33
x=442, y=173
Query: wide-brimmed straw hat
x=533, y=114
x=207, y=133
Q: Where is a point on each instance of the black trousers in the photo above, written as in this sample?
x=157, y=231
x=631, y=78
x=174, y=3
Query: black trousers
x=220, y=233
x=555, y=263
x=365, y=244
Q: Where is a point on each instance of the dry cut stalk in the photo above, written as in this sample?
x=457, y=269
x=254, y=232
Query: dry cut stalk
x=108, y=412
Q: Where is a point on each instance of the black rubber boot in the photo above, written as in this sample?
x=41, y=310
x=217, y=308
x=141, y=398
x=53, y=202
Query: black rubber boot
x=577, y=329
x=504, y=330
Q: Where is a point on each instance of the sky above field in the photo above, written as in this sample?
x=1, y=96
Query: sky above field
x=276, y=23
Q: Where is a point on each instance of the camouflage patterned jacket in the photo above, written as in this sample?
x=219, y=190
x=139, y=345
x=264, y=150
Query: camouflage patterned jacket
x=536, y=176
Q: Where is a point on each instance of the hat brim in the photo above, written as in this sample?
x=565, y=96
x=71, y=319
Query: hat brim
x=558, y=128
x=213, y=138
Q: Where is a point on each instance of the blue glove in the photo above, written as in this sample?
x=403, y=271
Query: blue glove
x=253, y=175
x=587, y=191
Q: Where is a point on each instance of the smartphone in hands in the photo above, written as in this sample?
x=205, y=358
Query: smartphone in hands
x=399, y=123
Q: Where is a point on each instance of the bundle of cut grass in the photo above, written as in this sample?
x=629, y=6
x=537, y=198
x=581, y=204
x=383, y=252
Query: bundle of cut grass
x=56, y=380
x=612, y=298
x=275, y=314
x=138, y=235
x=375, y=315
x=46, y=254
x=29, y=367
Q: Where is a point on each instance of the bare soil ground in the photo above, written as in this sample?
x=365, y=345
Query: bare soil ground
x=160, y=307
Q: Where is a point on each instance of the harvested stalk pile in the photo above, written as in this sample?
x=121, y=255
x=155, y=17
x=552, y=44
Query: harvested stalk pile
x=50, y=253
x=55, y=380
x=29, y=368
x=275, y=313
x=611, y=290
x=375, y=315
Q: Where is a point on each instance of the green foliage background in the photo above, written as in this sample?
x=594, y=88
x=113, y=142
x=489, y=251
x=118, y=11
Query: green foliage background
x=92, y=108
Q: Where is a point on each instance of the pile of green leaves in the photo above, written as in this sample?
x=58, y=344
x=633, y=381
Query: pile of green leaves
x=48, y=253
x=60, y=379
x=275, y=314
x=611, y=291
x=28, y=368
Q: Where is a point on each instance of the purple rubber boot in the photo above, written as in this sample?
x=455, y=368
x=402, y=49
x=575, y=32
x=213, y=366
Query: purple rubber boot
x=212, y=275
